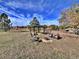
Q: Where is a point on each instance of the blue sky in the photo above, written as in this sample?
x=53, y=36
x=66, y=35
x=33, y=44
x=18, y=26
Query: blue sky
x=47, y=12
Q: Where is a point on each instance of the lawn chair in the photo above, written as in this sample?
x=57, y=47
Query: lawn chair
x=35, y=37
x=51, y=35
x=57, y=36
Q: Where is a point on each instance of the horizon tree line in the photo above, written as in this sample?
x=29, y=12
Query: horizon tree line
x=69, y=19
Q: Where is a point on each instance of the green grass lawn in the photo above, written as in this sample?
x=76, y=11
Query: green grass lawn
x=17, y=45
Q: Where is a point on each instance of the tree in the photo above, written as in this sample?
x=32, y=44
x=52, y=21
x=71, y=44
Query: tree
x=70, y=17
x=35, y=23
x=4, y=22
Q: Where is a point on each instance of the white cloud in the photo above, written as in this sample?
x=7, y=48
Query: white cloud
x=16, y=21
x=21, y=18
x=27, y=5
x=11, y=12
x=42, y=21
x=0, y=0
x=50, y=22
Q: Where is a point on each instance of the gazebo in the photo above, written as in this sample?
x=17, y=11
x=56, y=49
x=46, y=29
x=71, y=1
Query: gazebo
x=37, y=28
x=35, y=25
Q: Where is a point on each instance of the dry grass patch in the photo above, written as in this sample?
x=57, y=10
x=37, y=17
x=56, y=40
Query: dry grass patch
x=17, y=45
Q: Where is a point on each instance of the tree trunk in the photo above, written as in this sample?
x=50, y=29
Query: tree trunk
x=44, y=30
x=34, y=29
x=38, y=29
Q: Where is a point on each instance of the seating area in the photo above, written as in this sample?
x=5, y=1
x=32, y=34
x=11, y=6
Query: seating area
x=46, y=37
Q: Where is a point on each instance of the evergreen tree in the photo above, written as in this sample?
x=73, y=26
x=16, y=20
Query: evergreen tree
x=4, y=22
